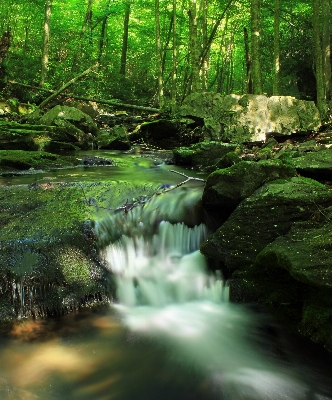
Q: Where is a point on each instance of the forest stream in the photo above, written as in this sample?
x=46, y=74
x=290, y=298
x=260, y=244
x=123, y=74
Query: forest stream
x=170, y=333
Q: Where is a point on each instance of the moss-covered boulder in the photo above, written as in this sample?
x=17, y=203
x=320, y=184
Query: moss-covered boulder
x=239, y=119
x=160, y=133
x=115, y=139
x=48, y=256
x=79, y=127
x=226, y=188
x=316, y=164
x=299, y=265
x=202, y=154
x=11, y=160
x=16, y=136
x=258, y=220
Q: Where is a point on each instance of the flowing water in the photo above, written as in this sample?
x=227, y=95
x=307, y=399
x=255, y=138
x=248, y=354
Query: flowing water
x=170, y=333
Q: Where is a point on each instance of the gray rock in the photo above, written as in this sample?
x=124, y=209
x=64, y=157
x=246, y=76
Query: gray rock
x=238, y=118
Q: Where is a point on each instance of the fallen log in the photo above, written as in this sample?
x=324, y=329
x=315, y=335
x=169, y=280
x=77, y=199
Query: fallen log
x=72, y=96
x=57, y=92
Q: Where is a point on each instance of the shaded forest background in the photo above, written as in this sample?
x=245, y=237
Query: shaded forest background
x=156, y=52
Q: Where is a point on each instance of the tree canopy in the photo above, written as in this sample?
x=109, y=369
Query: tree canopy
x=157, y=52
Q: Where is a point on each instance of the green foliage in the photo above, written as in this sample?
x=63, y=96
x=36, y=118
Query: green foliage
x=77, y=43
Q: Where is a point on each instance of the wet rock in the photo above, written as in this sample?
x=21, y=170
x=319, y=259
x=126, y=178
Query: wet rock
x=161, y=133
x=48, y=252
x=79, y=126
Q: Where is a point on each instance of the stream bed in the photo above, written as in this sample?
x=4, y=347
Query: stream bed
x=170, y=333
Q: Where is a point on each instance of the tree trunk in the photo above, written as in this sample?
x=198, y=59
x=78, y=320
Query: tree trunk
x=46, y=42
x=203, y=11
x=174, y=60
x=123, y=63
x=86, y=22
x=276, y=48
x=326, y=44
x=318, y=58
x=160, y=90
x=247, y=61
x=102, y=38
x=193, y=44
x=256, y=74
x=43, y=103
x=4, y=47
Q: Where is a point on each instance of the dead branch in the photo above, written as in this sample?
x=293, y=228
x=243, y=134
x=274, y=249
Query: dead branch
x=72, y=96
x=129, y=206
x=188, y=179
x=63, y=87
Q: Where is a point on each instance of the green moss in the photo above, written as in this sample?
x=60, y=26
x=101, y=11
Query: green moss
x=317, y=324
x=21, y=160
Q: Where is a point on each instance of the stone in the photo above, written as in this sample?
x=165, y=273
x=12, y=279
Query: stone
x=316, y=164
x=77, y=124
x=226, y=188
x=250, y=118
x=48, y=248
x=116, y=139
x=259, y=219
x=202, y=154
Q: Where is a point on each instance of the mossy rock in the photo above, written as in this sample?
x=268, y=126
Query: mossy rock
x=23, y=160
x=202, y=154
x=48, y=248
x=259, y=219
x=226, y=188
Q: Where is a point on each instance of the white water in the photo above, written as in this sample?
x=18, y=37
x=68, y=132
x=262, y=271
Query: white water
x=165, y=293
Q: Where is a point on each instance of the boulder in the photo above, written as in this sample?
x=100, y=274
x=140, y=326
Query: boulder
x=259, y=219
x=226, y=188
x=115, y=139
x=299, y=265
x=316, y=164
x=77, y=124
x=49, y=263
x=160, y=133
x=250, y=118
x=202, y=154
x=16, y=136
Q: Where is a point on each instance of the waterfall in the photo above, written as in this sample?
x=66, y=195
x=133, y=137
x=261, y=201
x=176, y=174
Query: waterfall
x=165, y=292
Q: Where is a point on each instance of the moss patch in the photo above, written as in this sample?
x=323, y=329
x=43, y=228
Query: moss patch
x=24, y=160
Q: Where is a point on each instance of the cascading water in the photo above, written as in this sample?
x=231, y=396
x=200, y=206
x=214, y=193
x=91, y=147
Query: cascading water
x=165, y=293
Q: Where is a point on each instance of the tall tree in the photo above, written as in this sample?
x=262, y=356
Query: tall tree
x=46, y=42
x=124, y=50
x=160, y=92
x=256, y=74
x=193, y=46
x=318, y=56
x=276, y=48
x=86, y=24
x=326, y=45
x=174, y=59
